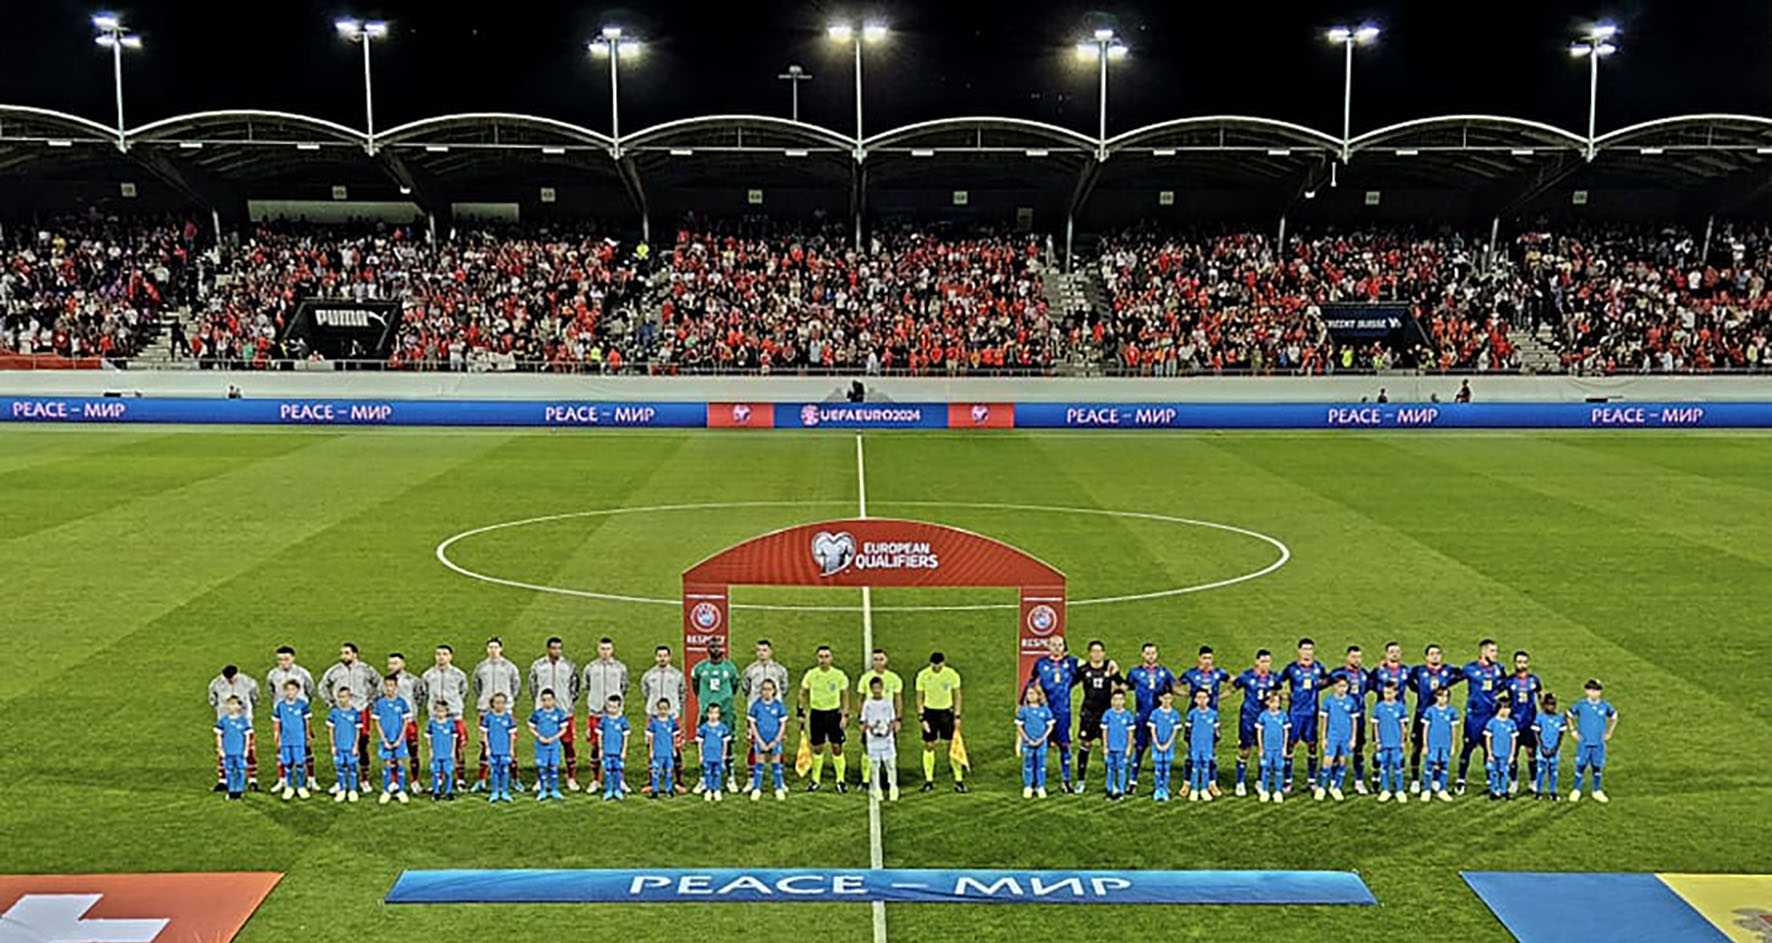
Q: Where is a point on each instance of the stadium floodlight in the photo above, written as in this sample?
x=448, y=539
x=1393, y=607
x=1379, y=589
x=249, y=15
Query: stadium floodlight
x=613, y=44
x=1347, y=37
x=365, y=32
x=1101, y=46
x=112, y=36
x=855, y=37
x=1593, y=45
x=794, y=76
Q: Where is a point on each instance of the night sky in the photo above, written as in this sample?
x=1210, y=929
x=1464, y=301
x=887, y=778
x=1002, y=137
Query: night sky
x=948, y=58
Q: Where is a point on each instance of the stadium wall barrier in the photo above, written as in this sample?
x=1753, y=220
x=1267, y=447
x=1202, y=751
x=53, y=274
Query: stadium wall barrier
x=371, y=385
x=351, y=412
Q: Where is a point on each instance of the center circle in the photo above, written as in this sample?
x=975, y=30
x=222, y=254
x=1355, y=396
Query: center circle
x=1283, y=552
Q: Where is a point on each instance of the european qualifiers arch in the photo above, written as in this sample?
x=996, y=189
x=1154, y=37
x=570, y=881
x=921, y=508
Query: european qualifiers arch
x=872, y=551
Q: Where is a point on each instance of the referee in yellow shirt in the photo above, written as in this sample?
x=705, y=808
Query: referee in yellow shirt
x=825, y=689
x=894, y=686
x=938, y=703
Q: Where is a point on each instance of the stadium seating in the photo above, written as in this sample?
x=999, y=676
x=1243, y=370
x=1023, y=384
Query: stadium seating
x=911, y=299
x=80, y=287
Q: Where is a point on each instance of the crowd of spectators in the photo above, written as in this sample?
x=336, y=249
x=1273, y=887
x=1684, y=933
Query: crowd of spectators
x=92, y=286
x=1623, y=299
x=1239, y=301
x=917, y=300
x=936, y=299
x=478, y=299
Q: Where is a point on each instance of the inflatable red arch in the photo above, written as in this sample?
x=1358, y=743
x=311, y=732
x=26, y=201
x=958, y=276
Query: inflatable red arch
x=870, y=551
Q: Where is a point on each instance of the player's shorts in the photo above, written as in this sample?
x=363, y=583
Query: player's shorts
x=1089, y=724
x=663, y=762
x=1496, y=764
x=1163, y=757
x=547, y=754
x=395, y=752
x=1200, y=756
x=1337, y=748
x=1304, y=727
x=1390, y=756
x=1246, y=731
x=1061, y=729
x=1027, y=751
x=502, y=759
x=444, y=766
x=827, y=727
x=345, y=759
x=1591, y=754
x=1474, y=724
x=1526, y=739
x=1439, y=754
x=1273, y=760
x=940, y=722
x=411, y=731
x=293, y=755
x=882, y=748
x=1141, y=734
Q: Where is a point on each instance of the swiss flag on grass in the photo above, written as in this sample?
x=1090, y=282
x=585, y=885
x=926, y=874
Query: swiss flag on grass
x=130, y=908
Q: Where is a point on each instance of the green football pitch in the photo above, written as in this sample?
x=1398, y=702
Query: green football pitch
x=137, y=561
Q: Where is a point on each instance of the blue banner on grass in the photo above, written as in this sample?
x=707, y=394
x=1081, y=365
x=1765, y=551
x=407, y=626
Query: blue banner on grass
x=860, y=885
x=1389, y=415
x=352, y=412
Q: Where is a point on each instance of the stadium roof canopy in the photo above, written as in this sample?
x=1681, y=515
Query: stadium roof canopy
x=214, y=157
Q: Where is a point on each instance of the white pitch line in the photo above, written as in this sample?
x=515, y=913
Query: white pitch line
x=442, y=554
x=876, y=853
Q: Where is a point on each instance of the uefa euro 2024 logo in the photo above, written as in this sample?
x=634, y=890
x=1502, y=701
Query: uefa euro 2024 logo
x=832, y=552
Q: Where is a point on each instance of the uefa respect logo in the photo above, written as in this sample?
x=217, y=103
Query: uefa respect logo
x=1042, y=619
x=706, y=616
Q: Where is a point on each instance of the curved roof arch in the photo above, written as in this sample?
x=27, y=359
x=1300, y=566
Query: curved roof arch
x=51, y=119
x=1507, y=130
x=1284, y=132
x=413, y=131
x=1036, y=129
x=779, y=129
x=233, y=120
x=1751, y=125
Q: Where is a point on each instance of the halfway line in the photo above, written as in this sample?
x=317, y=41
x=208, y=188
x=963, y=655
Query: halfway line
x=876, y=854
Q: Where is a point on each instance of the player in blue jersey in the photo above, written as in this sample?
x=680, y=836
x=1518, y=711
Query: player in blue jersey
x=1256, y=683
x=1148, y=680
x=612, y=745
x=1390, y=728
x=1483, y=683
x=1304, y=679
x=1523, y=688
x=1339, y=719
x=1204, y=676
x=391, y=713
x=661, y=739
x=345, y=726
x=1272, y=733
x=290, y=722
x=1425, y=679
x=1056, y=674
x=1033, y=731
x=1116, y=727
x=440, y=731
x=768, y=724
x=1547, y=730
x=1592, y=721
x=1498, y=741
x=233, y=739
x=498, y=731
x=1359, y=685
x=1202, y=739
x=1165, y=726
x=1437, y=724
x=547, y=724
x=713, y=735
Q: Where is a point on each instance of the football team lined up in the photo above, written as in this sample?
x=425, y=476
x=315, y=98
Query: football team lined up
x=376, y=720
x=1506, y=716
x=1334, y=712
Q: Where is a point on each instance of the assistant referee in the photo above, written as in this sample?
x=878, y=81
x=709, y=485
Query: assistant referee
x=938, y=704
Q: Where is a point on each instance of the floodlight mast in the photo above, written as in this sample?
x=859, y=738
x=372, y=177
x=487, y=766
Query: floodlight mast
x=1101, y=46
x=1594, y=44
x=1348, y=37
x=794, y=76
x=112, y=36
x=855, y=37
x=614, y=45
x=364, y=32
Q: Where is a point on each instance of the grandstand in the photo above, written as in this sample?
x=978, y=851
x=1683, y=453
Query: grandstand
x=1195, y=246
